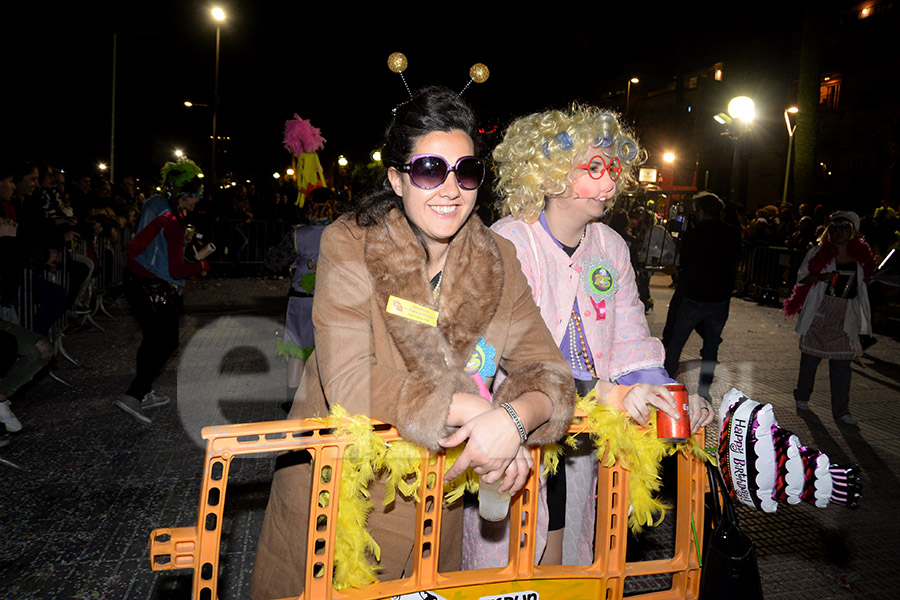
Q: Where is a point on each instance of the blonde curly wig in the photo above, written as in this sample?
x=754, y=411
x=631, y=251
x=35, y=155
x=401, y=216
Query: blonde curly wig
x=535, y=159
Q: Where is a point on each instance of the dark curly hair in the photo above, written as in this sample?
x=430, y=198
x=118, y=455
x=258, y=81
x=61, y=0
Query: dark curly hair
x=432, y=108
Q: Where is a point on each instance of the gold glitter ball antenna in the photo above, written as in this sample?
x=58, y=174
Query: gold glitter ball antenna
x=479, y=73
x=397, y=62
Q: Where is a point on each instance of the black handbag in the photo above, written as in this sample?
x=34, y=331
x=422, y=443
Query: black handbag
x=730, y=570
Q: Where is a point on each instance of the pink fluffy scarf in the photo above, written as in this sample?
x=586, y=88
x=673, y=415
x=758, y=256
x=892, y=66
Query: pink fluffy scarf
x=857, y=249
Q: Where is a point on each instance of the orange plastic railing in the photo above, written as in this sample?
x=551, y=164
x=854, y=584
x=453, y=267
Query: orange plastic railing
x=197, y=547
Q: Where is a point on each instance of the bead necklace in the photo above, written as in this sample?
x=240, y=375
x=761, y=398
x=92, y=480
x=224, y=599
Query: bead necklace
x=576, y=330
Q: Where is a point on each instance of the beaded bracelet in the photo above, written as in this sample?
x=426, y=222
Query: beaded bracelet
x=523, y=435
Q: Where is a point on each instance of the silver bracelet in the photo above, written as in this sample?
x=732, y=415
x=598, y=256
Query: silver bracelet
x=523, y=435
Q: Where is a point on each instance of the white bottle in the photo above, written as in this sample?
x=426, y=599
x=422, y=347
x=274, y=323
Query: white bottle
x=492, y=505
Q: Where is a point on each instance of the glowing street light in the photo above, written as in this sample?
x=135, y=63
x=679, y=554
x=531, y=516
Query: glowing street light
x=668, y=170
x=628, y=92
x=376, y=156
x=102, y=166
x=342, y=160
x=742, y=108
x=179, y=153
x=276, y=175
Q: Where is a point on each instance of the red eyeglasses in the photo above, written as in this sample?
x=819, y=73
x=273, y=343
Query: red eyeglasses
x=599, y=165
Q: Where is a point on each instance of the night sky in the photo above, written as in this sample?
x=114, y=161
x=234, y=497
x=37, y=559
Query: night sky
x=327, y=63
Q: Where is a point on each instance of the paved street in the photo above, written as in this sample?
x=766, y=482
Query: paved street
x=76, y=521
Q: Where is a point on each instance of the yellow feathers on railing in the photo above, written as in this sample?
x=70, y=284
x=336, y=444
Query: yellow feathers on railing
x=362, y=459
x=618, y=438
x=365, y=456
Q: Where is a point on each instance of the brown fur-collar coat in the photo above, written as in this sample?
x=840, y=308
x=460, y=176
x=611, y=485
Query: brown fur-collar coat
x=404, y=372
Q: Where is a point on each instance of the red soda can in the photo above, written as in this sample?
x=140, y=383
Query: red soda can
x=675, y=430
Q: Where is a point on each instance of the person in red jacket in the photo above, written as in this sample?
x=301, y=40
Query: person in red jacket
x=155, y=278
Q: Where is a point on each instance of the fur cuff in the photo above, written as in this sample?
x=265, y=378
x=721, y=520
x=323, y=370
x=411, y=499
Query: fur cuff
x=424, y=404
x=559, y=387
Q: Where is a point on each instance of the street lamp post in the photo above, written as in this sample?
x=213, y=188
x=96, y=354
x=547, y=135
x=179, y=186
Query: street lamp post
x=628, y=92
x=742, y=111
x=112, y=127
x=219, y=15
x=787, y=168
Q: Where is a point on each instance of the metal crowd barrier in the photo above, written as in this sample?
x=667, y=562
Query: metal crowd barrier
x=742, y=271
x=197, y=547
x=27, y=307
x=105, y=275
x=771, y=273
x=658, y=250
x=238, y=241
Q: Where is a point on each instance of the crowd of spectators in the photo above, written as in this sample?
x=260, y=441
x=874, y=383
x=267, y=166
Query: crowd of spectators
x=653, y=240
x=53, y=221
x=52, y=232
x=801, y=229
x=783, y=227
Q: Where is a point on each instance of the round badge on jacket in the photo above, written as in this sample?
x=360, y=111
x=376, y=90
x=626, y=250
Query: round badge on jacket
x=599, y=278
x=482, y=360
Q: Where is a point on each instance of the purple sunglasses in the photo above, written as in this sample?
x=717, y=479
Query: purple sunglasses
x=428, y=171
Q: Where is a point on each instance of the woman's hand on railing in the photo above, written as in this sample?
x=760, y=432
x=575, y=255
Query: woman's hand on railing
x=493, y=450
x=701, y=412
x=516, y=474
x=464, y=407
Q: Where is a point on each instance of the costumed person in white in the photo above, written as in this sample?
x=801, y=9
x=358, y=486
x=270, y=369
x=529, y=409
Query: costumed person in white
x=832, y=298
x=558, y=173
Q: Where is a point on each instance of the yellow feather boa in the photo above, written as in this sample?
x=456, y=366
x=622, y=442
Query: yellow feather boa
x=616, y=438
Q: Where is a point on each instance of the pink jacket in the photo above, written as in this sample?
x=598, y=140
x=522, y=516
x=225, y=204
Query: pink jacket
x=614, y=321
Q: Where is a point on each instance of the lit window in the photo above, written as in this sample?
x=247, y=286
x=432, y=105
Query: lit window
x=830, y=92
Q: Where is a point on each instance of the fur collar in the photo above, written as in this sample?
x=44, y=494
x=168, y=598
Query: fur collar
x=470, y=288
x=435, y=357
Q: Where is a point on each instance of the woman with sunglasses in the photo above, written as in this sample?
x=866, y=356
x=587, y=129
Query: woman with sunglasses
x=559, y=171
x=154, y=280
x=416, y=304
x=832, y=298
